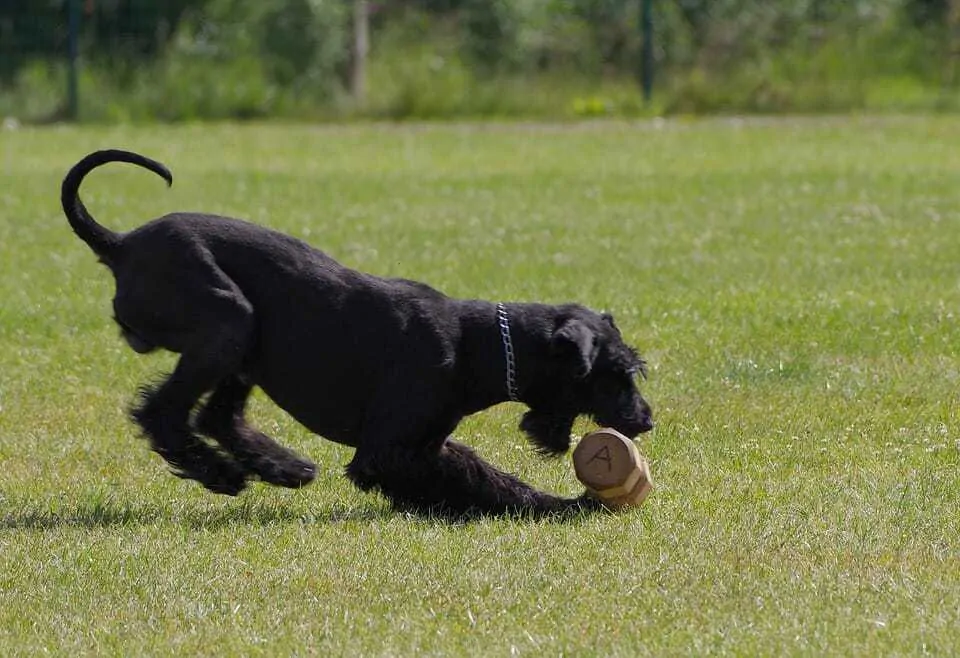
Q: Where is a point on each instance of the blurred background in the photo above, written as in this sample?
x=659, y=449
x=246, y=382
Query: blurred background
x=171, y=60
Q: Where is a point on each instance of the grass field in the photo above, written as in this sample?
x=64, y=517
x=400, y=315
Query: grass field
x=794, y=285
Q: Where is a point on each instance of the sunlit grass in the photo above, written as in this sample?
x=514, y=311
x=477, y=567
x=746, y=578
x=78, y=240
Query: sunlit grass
x=794, y=285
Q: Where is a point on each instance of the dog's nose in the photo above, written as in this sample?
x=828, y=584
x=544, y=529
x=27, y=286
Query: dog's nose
x=634, y=426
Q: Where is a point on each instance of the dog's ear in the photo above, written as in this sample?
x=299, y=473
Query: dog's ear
x=576, y=344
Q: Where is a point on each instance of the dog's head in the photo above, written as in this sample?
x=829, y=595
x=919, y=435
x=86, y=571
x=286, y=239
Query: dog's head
x=589, y=370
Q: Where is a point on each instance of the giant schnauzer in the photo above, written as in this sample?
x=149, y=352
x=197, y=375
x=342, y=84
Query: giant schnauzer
x=387, y=366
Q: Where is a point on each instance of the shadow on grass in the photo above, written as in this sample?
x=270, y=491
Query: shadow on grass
x=259, y=515
x=98, y=514
x=109, y=513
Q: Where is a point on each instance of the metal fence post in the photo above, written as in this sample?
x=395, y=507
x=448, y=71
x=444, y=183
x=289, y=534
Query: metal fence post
x=361, y=47
x=646, y=56
x=73, y=56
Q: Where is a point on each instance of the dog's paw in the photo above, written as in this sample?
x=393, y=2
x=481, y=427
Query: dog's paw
x=271, y=462
x=292, y=473
x=587, y=502
x=194, y=460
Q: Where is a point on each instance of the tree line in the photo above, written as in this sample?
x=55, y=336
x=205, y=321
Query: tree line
x=309, y=44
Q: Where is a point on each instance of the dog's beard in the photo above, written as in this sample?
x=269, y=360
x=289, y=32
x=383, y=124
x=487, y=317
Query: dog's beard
x=629, y=419
x=549, y=431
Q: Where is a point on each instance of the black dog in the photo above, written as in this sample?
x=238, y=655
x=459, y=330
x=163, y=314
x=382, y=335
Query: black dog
x=388, y=366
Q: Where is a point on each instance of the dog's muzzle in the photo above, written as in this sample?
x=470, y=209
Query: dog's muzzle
x=638, y=422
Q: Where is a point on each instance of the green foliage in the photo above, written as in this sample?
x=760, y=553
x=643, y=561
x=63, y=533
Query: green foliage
x=120, y=34
x=416, y=71
x=884, y=69
x=232, y=58
x=300, y=43
x=226, y=59
x=28, y=30
x=491, y=28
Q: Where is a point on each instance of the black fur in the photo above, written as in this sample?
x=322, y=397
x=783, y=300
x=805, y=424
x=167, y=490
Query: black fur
x=388, y=366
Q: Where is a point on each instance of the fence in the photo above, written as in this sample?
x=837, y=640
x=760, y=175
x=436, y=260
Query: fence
x=180, y=59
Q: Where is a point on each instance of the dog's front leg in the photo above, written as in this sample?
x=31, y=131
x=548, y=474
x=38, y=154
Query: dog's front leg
x=405, y=452
x=454, y=480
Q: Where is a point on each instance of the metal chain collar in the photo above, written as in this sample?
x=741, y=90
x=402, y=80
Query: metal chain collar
x=504, y=322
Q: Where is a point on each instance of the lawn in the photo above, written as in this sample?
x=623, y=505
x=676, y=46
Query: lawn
x=794, y=285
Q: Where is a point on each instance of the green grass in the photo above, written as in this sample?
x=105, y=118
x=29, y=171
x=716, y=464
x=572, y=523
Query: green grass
x=794, y=284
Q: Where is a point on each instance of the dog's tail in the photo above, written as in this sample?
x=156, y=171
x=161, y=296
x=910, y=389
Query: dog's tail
x=102, y=240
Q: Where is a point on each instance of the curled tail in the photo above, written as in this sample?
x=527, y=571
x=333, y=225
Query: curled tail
x=102, y=240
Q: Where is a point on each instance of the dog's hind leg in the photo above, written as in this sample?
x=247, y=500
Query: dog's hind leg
x=222, y=418
x=163, y=415
x=198, y=311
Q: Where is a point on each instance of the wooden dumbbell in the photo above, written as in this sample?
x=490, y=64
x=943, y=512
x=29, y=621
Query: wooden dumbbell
x=611, y=467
